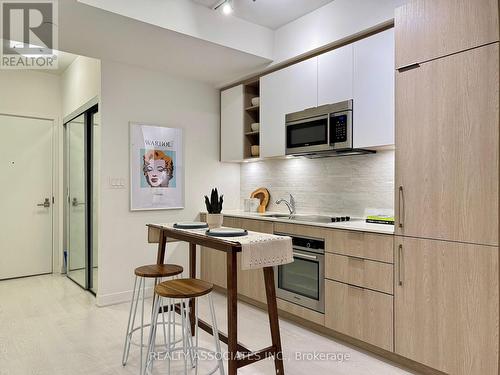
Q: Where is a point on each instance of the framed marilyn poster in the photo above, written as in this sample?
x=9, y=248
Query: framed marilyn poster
x=156, y=167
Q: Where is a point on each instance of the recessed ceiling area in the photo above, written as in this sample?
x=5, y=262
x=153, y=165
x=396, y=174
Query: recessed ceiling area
x=113, y=37
x=270, y=13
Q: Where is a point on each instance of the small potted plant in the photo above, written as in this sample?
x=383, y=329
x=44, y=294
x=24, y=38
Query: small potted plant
x=214, y=208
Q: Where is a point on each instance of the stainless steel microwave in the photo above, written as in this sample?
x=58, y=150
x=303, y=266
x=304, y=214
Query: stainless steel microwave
x=320, y=129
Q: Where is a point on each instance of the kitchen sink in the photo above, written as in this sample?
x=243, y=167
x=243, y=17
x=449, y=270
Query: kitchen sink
x=312, y=218
x=278, y=216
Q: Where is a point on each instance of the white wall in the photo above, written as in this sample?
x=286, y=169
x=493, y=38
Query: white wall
x=332, y=22
x=30, y=93
x=133, y=94
x=38, y=94
x=80, y=83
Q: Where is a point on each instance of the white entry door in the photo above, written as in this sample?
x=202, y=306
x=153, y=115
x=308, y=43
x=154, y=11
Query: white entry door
x=25, y=196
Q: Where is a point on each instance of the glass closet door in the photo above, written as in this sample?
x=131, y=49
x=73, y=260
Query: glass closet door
x=76, y=203
x=96, y=146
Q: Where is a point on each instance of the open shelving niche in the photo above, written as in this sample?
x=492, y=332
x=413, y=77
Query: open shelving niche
x=251, y=115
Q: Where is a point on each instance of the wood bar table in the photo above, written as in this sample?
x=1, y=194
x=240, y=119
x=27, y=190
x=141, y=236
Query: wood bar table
x=238, y=355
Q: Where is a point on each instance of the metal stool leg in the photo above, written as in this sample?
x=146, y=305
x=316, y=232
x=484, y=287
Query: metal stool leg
x=170, y=308
x=148, y=363
x=142, y=323
x=189, y=336
x=184, y=338
x=196, y=331
x=131, y=321
x=216, y=334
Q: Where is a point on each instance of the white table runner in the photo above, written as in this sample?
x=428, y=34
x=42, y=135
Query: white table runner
x=258, y=250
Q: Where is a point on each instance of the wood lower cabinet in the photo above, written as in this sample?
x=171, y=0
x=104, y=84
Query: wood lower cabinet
x=447, y=305
x=213, y=263
x=428, y=29
x=447, y=148
x=364, y=245
x=251, y=282
x=360, y=313
x=360, y=272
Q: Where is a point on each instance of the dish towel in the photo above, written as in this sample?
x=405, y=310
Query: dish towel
x=258, y=250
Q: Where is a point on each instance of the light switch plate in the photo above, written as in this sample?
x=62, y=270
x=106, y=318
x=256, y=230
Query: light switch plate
x=116, y=183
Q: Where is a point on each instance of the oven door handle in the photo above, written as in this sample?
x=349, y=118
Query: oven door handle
x=305, y=256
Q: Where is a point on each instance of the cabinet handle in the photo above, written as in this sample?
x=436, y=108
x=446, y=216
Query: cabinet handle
x=355, y=258
x=400, y=264
x=408, y=67
x=401, y=214
x=355, y=287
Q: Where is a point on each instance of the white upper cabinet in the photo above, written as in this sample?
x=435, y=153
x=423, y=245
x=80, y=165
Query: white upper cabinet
x=363, y=71
x=373, y=108
x=335, y=75
x=287, y=90
x=232, y=123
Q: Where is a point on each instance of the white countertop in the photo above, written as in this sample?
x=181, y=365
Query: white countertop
x=357, y=225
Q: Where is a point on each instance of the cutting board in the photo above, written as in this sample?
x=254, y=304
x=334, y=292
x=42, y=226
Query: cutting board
x=263, y=195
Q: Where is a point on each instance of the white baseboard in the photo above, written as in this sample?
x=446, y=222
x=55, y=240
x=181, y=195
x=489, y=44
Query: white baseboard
x=103, y=300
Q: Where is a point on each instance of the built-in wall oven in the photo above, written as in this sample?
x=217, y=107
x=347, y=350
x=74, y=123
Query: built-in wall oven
x=303, y=281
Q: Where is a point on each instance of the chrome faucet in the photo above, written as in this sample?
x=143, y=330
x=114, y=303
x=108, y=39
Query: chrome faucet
x=290, y=205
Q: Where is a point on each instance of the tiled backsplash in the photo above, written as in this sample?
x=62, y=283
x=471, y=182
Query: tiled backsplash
x=339, y=185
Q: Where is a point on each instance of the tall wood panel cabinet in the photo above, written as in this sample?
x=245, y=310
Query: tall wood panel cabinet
x=447, y=145
x=446, y=291
x=429, y=29
x=446, y=310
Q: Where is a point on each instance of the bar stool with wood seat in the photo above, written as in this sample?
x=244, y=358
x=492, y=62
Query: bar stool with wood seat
x=156, y=272
x=184, y=290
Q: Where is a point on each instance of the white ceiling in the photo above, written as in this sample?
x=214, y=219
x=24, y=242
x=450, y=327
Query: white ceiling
x=89, y=31
x=270, y=13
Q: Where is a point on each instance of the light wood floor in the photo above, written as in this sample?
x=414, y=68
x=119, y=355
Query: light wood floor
x=49, y=326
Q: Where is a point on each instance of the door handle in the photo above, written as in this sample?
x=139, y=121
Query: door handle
x=401, y=213
x=46, y=203
x=75, y=202
x=400, y=264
